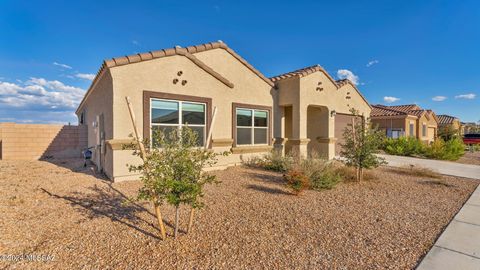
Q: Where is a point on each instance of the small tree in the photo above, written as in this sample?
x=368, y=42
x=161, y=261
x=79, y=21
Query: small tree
x=448, y=132
x=361, y=141
x=172, y=171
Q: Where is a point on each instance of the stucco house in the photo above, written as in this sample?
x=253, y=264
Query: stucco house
x=303, y=110
x=450, y=122
x=405, y=120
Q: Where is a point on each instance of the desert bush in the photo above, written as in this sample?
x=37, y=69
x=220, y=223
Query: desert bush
x=417, y=171
x=404, y=146
x=297, y=181
x=273, y=161
x=326, y=178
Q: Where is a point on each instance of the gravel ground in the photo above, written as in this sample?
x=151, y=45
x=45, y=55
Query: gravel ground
x=250, y=221
x=470, y=158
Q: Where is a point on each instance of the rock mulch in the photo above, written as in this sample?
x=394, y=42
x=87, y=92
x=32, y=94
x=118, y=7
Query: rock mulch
x=470, y=158
x=250, y=221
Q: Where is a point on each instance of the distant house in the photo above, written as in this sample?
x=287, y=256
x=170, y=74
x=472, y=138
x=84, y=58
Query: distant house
x=450, y=122
x=303, y=111
x=405, y=120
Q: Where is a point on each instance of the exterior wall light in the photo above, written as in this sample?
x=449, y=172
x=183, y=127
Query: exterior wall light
x=333, y=113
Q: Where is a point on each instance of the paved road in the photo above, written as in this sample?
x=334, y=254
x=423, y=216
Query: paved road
x=443, y=167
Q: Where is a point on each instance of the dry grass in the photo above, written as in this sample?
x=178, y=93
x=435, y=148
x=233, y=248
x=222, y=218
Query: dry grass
x=416, y=171
x=250, y=221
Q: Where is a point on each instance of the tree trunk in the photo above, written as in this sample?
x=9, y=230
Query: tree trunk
x=190, y=221
x=177, y=210
x=160, y=221
x=360, y=173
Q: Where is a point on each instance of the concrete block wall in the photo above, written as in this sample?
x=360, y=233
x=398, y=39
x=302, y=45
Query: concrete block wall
x=36, y=141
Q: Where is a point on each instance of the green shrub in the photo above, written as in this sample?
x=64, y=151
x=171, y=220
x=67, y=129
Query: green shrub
x=449, y=150
x=273, y=161
x=404, y=146
x=439, y=149
x=326, y=178
x=297, y=181
x=276, y=161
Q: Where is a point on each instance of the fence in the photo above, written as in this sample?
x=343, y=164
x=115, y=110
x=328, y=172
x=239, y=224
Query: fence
x=36, y=141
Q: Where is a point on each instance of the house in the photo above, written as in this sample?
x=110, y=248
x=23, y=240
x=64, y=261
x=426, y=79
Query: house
x=406, y=120
x=298, y=111
x=447, y=122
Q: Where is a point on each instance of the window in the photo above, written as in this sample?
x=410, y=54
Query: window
x=412, y=130
x=424, y=130
x=252, y=126
x=168, y=115
x=396, y=133
x=81, y=119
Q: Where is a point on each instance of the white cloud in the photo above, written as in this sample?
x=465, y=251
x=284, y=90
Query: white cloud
x=347, y=74
x=372, y=62
x=439, y=98
x=466, y=96
x=62, y=65
x=39, y=93
x=86, y=76
x=390, y=99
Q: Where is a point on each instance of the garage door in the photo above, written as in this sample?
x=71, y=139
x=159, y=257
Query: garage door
x=341, y=122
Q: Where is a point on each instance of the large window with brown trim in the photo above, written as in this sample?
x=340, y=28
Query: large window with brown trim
x=167, y=115
x=252, y=126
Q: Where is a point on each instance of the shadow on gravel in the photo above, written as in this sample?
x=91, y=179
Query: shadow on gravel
x=266, y=177
x=268, y=190
x=76, y=165
x=110, y=203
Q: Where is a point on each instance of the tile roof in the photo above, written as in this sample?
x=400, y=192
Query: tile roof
x=444, y=119
x=410, y=109
x=187, y=52
x=380, y=110
x=299, y=73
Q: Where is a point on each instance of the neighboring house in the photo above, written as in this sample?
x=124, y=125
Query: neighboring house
x=406, y=120
x=450, y=122
x=470, y=127
x=169, y=88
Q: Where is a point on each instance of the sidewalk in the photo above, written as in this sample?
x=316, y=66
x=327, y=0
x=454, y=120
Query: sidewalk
x=459, y=245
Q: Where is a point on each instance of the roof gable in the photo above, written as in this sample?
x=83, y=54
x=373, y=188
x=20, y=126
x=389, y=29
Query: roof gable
x=303, y=72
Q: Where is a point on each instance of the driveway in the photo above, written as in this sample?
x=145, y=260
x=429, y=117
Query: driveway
x=443, y=167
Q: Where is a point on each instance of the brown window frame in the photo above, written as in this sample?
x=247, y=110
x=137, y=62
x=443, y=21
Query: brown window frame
x=236, y=106
x=148, y=95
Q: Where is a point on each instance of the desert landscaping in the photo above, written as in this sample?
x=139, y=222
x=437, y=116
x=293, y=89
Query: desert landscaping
x=251, y=220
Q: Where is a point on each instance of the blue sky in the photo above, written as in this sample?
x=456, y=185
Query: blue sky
x=423, y=52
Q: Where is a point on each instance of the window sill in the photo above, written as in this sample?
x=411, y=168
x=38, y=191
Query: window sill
x=251, y=149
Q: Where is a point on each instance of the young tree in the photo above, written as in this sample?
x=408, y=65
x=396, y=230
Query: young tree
x=172, y=170
x=448, y=133
x=361, y=141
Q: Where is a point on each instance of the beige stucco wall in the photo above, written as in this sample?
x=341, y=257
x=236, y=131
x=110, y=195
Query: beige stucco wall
x=100, y=101
x=158, y=75
x=302, y=93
